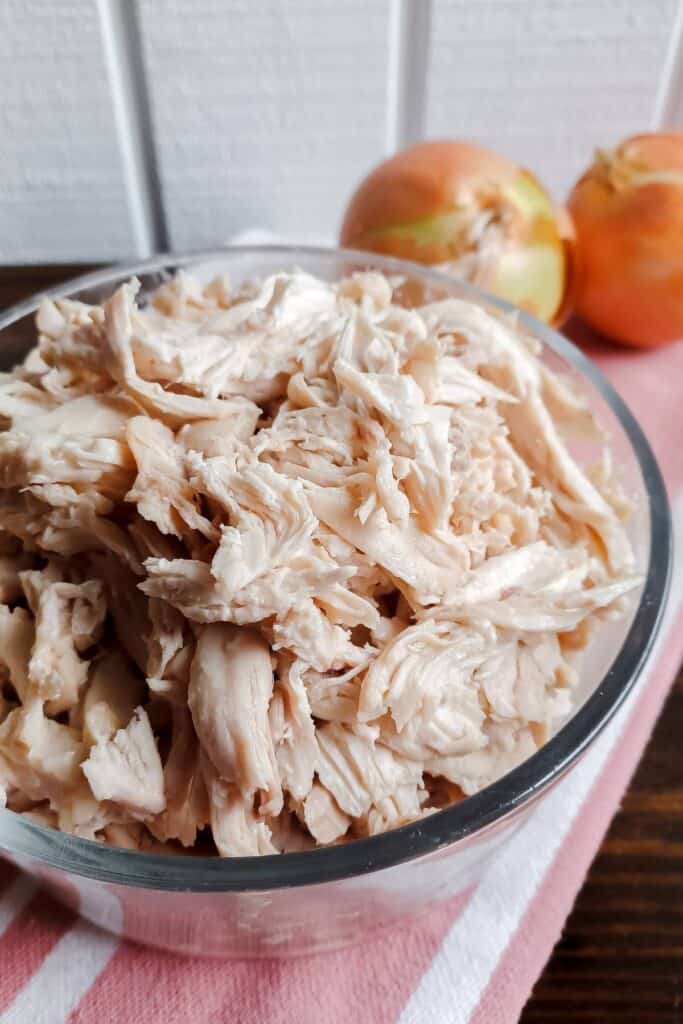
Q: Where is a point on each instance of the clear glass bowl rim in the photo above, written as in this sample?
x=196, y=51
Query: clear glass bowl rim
x=503, y=798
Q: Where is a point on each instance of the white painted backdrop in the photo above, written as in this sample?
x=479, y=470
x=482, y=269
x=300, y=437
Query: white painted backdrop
x=129, y=126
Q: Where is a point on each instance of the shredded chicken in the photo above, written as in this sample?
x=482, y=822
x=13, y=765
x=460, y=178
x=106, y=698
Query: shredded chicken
x=290, y=564
x=231, y=684
x=127, y=769
x=113, y=693
x=68, y=620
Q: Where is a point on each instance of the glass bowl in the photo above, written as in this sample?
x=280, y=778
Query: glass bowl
x=306, y=902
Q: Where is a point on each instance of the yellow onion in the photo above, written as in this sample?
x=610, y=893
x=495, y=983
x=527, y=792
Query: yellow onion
x=466, y=209
x=628, y=214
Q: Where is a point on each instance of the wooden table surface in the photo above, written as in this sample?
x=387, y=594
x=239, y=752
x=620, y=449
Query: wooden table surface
x=621, y=956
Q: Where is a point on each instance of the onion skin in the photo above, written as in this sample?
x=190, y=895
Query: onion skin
x=417, y=204
x=628, y=216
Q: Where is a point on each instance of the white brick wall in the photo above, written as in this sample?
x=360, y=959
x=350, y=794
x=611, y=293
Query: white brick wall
x=546, y=81
x=129, y=125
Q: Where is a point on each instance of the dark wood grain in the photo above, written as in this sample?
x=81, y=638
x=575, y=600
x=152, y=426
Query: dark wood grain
x=17, y=283
x=621, y=956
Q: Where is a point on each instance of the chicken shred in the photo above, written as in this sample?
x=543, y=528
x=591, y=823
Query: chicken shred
x=288, y=564
x=231, y=685
x=126, y=768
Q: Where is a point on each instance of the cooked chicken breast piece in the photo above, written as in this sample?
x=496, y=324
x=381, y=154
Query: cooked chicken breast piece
x=68, y=621
x=127, y=769
x=187, y=804
x=231, y=684
x=113, y=692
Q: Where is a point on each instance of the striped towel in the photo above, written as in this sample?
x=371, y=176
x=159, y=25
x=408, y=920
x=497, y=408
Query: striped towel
x=467, y=965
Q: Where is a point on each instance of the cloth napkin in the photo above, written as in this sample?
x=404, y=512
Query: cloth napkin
x=471, y=964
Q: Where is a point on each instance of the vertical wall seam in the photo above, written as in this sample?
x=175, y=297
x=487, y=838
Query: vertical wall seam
x=122, y=44
x=409, y=45
x=668, y=106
